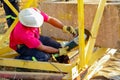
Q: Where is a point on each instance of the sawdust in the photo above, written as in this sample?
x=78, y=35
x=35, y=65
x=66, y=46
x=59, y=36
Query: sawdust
x=111, y=70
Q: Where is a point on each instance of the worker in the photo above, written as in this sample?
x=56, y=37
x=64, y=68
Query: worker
x=26, y=39
x=10, y=15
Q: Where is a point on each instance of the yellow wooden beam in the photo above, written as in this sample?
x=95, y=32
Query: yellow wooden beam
x=94, y=30
x=9, y=55
x=97, y=55
x=32, y=3
x=28, y=4
x=6, y=35
x=81, y=32
x=35, y=3
x=94, y=68
x=5, y=50
x=47, y=66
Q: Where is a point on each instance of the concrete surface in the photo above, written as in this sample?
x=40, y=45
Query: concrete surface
x=109, y=31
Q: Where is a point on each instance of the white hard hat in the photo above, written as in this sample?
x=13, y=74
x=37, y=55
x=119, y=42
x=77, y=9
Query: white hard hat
x=30, y=18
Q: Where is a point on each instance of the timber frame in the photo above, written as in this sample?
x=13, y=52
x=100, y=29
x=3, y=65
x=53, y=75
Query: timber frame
x=87, y=64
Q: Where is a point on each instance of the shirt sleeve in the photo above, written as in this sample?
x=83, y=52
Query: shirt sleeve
x=45, y=16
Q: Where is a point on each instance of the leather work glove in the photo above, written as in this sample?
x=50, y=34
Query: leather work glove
x=61, y=59
x=63, y=51
x=70, y=29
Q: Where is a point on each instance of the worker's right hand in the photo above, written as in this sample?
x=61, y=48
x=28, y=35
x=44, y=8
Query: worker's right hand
x=61, y=59
x=0, y=4
x=63, y=51
x=70, y=29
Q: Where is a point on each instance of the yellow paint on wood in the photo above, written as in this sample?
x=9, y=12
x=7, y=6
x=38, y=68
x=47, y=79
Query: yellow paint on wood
x=94, y=30
x=47, y=66
x=81, y=33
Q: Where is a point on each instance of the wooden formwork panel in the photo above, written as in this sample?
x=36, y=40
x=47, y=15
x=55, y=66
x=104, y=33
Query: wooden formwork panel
x=109, y=31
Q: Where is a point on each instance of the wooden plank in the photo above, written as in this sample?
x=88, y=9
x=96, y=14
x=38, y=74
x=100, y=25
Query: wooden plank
x=98, y=65
x=39, y=65
x=31, y=75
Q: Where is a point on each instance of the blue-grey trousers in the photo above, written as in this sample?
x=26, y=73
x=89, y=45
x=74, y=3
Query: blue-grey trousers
x=27, y=53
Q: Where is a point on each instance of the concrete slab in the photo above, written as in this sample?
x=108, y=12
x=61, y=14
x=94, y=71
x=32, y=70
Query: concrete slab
x=109, y=32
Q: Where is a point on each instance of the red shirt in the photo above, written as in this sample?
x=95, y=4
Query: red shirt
x=26, y=35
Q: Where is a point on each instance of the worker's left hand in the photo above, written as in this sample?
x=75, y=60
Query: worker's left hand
x=63, y=51
x=70, y=29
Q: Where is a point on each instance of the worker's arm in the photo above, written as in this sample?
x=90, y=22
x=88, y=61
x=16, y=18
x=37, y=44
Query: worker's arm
x=47, y=49
x=55, y=22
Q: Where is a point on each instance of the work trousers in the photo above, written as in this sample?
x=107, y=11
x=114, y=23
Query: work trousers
x=28, y=53
x=10, y=15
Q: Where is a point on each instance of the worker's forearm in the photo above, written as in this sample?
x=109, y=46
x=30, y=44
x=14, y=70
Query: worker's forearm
x=55, y=22
x=47, y=49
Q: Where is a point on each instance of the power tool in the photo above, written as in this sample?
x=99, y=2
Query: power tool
x=71, y=45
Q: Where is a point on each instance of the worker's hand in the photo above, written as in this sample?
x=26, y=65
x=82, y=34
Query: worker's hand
x=60, y=59
x=63, y=51
x=70, y=29
x=0, y=4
